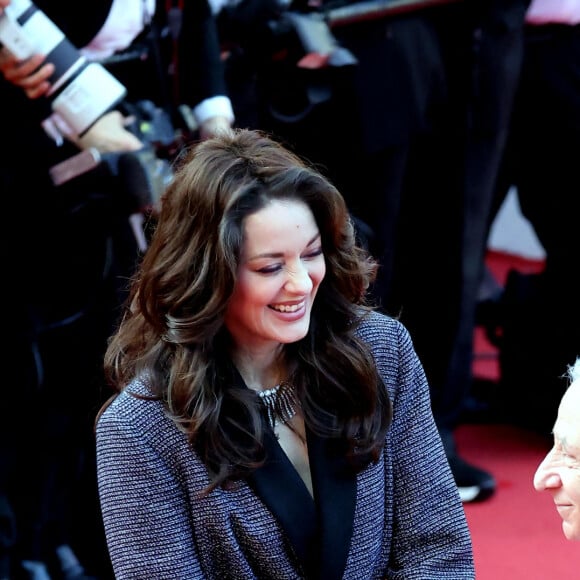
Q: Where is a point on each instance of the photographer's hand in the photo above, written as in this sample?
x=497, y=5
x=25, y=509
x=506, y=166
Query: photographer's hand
x=109, y=134
x=28, y=74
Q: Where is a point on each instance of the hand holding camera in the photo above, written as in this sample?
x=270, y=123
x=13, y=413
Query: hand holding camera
x=80, y=92
x=37, y=57
x=31, y=42
x=28, y=74
x=110, y=134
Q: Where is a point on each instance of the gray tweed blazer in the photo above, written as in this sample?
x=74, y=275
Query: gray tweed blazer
x=400, y=518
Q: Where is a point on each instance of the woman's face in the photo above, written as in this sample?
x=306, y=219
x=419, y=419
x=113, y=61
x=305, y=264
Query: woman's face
x=559, y=473
x=281, y=268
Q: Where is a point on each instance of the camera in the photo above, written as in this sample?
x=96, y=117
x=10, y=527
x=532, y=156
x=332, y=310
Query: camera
x=81, y=91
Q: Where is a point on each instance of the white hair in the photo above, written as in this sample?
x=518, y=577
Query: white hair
x=574, y=370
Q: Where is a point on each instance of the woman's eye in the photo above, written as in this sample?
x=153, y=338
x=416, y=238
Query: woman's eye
x=314, y=253
x=274, y=268
x=270, y=269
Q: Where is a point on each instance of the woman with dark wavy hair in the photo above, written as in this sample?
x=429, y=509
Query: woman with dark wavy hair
x=268, y=422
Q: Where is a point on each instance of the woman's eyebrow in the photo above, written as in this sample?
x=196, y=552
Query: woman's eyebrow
x=281, y=254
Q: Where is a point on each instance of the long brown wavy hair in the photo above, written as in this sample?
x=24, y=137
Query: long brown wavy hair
x=172, y=333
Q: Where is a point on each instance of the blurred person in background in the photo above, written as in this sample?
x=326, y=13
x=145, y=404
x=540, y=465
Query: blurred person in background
x=541, y=162
x=68, y=253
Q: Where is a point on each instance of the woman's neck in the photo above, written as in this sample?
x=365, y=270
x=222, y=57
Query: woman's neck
x=260, y=370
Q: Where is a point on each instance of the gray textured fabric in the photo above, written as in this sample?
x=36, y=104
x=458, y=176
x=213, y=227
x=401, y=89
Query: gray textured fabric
x=409, y=522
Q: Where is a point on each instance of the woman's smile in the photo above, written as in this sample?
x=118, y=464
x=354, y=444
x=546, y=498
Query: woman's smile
x=288, y=307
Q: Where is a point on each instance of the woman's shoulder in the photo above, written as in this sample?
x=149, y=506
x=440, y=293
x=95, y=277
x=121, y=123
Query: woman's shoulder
x=134, y=406
x=136, y=429
x=392, y=348
x=388, y=338
x=375, y=325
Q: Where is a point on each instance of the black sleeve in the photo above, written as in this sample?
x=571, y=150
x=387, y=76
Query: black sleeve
x=199, y=66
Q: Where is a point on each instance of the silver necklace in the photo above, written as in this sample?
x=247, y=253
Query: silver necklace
x=280, y=402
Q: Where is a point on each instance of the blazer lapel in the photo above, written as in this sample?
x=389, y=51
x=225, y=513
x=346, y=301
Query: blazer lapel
x=281, y=489
x=319, y=530
x=335, y=494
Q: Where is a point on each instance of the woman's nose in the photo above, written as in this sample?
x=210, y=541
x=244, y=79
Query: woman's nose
x=298, y=280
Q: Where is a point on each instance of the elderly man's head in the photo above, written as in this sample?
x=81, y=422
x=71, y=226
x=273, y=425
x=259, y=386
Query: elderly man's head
x=559, y=472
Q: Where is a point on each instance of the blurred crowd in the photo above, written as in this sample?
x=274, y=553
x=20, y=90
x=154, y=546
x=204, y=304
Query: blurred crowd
x=423, y=113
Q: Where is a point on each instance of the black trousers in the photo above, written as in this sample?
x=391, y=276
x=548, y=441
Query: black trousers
x=542, y=334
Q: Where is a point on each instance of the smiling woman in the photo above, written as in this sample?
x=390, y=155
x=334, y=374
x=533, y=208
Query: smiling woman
x=268, y=422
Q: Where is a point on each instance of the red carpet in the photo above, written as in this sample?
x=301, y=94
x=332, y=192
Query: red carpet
x=501, y=263
x=517, y=533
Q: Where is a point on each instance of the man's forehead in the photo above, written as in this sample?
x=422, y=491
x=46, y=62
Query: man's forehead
x=567, y=427
x=571, y=398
